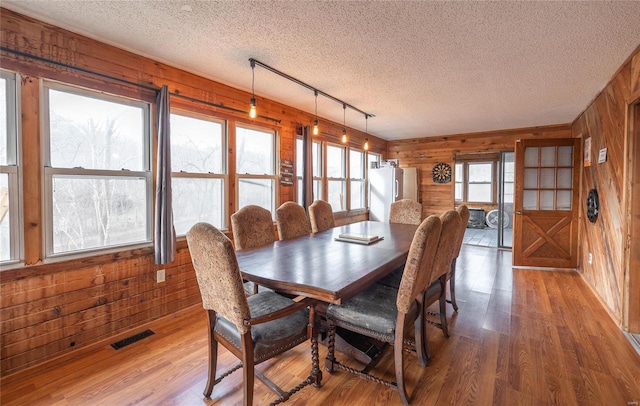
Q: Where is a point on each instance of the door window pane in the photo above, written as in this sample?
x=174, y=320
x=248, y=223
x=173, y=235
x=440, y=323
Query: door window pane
x=531, y=156
x=547, y=178
x=547, y=198
x=531, y=178
x=564, y=178
x=564, y=200
x=530, y=200
x=548, y=156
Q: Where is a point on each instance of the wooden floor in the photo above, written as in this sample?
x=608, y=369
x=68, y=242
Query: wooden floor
x=520, y=338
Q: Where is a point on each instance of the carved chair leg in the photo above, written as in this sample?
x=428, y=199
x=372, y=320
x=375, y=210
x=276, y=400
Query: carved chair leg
x=331, y=344
x=213, y=355
x=316, y=373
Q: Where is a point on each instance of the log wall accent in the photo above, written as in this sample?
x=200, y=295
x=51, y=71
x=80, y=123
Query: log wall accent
x=50, y=309
x=604, y=121
x=424, y=153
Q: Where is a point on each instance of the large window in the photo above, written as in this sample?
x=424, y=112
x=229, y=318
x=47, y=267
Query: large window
x=336, y=177
x=10, y=236
x=256, y=167
x=97, y=170
x=356, y=179
x=199, y=171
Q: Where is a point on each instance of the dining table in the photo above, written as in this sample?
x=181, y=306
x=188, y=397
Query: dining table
x=324, y=267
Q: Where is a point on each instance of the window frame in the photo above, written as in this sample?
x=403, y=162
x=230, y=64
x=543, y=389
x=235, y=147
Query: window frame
x=274, y=178
x=224, y=176
x=49, y=172
x=13, y=168
x=361, y=181
x=465, y=180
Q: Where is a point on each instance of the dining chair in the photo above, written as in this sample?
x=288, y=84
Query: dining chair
x=252, y=226
x=463, y=210
x=291, y=220
x=405, y=211
x=441, y=267
x=386, y=314
x=321, y=216
x=254, y=328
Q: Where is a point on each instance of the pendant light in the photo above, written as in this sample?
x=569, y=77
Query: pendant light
x=252, y=108
x=344, y=124
x=366, y=132
x=315, y=122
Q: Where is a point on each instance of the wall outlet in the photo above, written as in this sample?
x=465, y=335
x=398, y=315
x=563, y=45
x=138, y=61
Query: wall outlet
x=160, y=275
x=590, y=259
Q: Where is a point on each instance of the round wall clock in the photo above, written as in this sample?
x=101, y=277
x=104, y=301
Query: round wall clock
x=441, y=172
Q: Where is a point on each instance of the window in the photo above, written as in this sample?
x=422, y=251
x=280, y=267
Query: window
x=357, y=179
x=199, y=171
x=480, y=182
x=256, y=167
x=474, y=182
x=336, y=177
x=10, y=235
x=97, y=170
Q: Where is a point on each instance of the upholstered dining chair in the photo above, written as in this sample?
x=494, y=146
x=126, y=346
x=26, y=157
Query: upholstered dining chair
x=386, y=314
x=463, y=210
x=321, y=216
x=252, y=226
x=405, y=211
x=291, y=220
x=441, y=267
x=254, y=328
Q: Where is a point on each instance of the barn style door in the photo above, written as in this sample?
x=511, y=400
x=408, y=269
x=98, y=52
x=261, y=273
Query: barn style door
x=546, y=206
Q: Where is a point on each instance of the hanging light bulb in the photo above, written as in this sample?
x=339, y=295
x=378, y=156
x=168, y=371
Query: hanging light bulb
x=344, y=124
x=315, y=122
x=252, y=109
x=366, y=132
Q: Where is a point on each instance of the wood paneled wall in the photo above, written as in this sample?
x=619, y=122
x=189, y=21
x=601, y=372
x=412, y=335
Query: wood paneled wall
x=604, y=121
x=424, y=153
x=52, y=309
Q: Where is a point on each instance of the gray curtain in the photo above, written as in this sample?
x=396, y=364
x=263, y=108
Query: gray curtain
x=164, y=234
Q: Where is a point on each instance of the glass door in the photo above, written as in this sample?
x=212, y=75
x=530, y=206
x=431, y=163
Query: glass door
x=505, y=199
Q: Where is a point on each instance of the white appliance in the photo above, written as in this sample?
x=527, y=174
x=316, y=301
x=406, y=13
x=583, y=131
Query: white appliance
x=386, y=186
x=410, y=183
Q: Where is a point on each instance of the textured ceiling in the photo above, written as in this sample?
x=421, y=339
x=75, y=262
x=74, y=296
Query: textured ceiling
x=422, y=68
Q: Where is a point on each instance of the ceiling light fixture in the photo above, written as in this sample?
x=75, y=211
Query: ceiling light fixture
x=344, y=124
x=316, y=92
x=252, y=108
x=315, y=122
x=366, y=132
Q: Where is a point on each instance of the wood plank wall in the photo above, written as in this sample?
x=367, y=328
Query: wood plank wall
x=604, y=121
x=52, y=309
x=424, y=153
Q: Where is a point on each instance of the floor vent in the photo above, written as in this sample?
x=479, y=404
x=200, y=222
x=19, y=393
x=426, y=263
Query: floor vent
x=130, y=340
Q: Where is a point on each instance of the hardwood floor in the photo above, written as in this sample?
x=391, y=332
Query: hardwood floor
x=520, y=338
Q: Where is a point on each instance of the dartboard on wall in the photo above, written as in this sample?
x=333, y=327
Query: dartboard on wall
x=441, y=172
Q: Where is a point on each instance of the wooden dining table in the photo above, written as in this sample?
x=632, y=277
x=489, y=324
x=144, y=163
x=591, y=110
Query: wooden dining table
x=320, y=267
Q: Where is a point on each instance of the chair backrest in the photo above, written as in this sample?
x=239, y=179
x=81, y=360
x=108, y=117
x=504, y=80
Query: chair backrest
x=218, y=274
x=446, y=245
x=463, y=211
x=405, y=211
x=252, y=226
x=321, y=216
x=292, y=221
x=419, y=266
